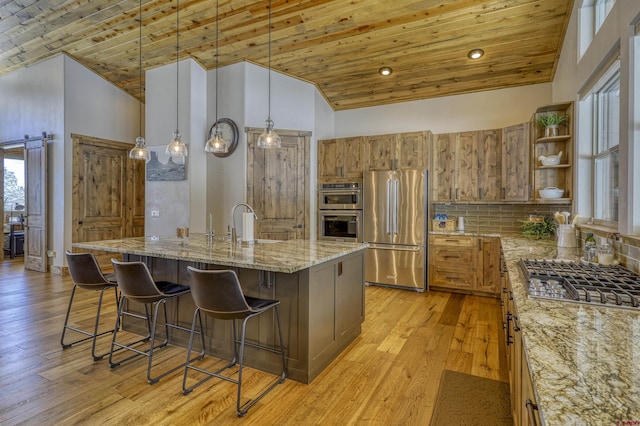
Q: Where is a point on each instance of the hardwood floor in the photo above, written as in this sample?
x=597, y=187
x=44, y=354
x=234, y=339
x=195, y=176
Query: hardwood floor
x=388, y=376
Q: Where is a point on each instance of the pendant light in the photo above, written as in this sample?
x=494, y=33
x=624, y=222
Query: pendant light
x=269, y=138
x=176, y=147
x=216, y=142
x=140, y=151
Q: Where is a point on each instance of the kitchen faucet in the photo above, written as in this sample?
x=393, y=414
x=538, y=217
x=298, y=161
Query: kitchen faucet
x=234, y=237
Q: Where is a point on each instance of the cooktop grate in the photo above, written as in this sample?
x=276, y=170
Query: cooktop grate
x=581, y=282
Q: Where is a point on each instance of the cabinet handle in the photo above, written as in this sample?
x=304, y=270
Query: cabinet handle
x=457, y=193
x=450, y=189
x=451, y=257
x=479, y=244
x=337, y=170
x=531, y=407
x=504, y=193
x=479, y=194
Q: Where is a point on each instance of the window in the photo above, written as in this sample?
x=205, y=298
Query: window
x=602, y=9
x=606, y=140
x=13, y=188
x=591, y=15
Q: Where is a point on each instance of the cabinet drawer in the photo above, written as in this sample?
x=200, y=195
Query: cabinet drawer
x=452, y=241
x=451, y=258
x=452, y=279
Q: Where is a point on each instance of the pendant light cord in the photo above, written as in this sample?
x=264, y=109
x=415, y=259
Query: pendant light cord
x=140, y=73
x=177, y=65
x=269, y=85
x=217, y=58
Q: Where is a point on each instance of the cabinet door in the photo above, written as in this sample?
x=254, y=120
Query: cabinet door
x=349, y=294
x=351, y=157
x=489, y=264
x=442, y=167
x=411, y=151
x=466, y=169
x=489, y=165
x=330, y=160
x=515, y=162
x=380, y=152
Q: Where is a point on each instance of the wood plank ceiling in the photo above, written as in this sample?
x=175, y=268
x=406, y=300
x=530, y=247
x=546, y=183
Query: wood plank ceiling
x=337, y=45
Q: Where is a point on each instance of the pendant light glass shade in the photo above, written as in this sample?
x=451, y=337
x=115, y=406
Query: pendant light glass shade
x=269, y=138
x=176, y=147
x=216, y=143
x=140, y=151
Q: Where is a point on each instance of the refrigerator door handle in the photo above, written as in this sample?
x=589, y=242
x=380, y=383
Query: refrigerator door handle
x=396, y=190
x=388, y=212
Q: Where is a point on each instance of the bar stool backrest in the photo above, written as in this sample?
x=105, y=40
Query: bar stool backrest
x=84, y=270
x=218, y=293
x=135, y=281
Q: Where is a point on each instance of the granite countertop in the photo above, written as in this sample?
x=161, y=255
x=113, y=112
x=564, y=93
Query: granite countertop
x=267, y=255
x=584, y=359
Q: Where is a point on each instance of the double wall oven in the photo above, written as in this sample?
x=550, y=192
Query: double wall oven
x=340, y=211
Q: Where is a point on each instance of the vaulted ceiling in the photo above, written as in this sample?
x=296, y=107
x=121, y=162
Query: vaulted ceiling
x=338, y=45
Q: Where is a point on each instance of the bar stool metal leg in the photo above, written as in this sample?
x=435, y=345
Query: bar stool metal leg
x=90, y=336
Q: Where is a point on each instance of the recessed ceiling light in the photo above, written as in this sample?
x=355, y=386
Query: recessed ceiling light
x=385, y=71
x=475, y=54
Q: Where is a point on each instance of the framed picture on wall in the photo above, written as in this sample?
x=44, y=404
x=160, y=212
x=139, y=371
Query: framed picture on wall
x=163, y=167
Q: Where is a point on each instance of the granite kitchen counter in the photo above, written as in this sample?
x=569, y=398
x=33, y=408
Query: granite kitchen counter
x=320, y=286
x=584, y=360
x=266, y=255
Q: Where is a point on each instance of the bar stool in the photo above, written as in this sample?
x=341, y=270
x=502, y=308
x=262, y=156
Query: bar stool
x=86, y=274
x=136, y=283
x=217, y=293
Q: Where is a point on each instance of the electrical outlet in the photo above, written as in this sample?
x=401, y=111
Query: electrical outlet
x=155, y=213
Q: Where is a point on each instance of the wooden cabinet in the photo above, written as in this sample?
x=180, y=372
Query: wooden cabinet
x=467, y=263
x=466, y=166
x=524, y=406
x=452, y=262
x=442, y=167
x=340, y=159
x=559, y=175
x=515, y=163
x=399, y=151
x=490, y=157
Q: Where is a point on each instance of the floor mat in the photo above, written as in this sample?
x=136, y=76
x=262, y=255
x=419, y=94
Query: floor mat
x=469, y=400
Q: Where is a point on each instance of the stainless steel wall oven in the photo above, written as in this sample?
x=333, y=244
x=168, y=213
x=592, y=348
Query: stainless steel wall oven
x=340, y=196
x=340, y=211
x=340, y=225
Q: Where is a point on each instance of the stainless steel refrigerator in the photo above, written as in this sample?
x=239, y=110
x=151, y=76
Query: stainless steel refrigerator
x=395, y=226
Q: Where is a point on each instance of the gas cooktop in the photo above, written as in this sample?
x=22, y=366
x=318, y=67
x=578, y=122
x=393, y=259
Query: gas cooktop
x=582, y=282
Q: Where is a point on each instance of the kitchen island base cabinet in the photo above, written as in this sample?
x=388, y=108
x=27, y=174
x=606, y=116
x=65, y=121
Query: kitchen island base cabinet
x=321, y=312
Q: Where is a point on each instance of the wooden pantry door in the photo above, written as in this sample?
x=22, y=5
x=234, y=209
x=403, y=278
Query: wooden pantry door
x=108, y=192
x=278, y=185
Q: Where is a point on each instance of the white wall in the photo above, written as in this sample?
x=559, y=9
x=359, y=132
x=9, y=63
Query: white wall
x=574, y=74
x=61, y=97
x=92, y=107
x=475, y=111
x=243, y=90
x=172, y=199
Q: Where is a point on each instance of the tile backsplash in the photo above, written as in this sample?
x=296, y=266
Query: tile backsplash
x=507, y=219
x=496, y=218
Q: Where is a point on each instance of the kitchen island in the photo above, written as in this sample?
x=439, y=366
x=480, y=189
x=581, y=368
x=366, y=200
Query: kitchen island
x=583, y=359
x=320, y=285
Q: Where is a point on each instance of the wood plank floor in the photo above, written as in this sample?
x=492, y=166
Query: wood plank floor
x=388, y=376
